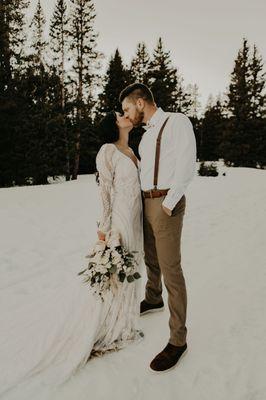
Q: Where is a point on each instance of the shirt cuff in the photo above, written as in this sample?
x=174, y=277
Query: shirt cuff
x=170, y=201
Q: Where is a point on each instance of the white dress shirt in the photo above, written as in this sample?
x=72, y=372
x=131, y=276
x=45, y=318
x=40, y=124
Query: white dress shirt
x=177, y=164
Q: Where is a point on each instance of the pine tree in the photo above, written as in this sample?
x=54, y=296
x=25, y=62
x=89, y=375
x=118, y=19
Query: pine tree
x=183, y=99
x=59, y=30
x=45, y=144
x=246, y=103
x=191, y=107
x=164, y=80
x=236, y=141
x=12, y=38
x=211, y=131
x=12, y=22
x=210, y=101
x=192, y=92
x=257, y=124
x=256, y=129
x=239, y=95
x=257, y=85
x=40, y=93
x=116, y=78
x=140, y=64
x=260, y=128
x=38, y=43
x=5, y=46
x=38, y=80
x=139, y=70
x=85, y=64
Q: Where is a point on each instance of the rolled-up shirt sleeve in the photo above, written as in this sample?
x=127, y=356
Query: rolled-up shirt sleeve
x=185, y=166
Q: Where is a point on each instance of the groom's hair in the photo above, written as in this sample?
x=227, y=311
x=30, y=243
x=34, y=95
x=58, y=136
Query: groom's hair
x=135, y=91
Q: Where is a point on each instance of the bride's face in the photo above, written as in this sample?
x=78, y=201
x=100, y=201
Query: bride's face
x=123, y=122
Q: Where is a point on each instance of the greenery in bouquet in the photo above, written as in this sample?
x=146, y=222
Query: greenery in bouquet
x=109, y=264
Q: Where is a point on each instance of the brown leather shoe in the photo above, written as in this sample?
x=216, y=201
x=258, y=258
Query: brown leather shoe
x=168, y=357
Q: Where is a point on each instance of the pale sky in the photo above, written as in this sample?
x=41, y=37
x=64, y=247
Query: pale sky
x=203, y=36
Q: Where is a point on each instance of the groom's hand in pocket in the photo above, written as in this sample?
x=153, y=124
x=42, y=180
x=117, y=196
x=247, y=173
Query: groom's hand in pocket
x=167, y=210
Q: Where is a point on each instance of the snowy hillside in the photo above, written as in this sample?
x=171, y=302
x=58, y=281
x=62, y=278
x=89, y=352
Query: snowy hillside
x=45, y=234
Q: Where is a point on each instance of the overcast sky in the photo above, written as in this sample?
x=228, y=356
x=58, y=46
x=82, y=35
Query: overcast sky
x=203, y=36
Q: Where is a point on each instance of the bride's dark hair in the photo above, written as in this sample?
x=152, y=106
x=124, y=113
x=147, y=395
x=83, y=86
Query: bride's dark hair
x=108, y=129
x=108, y=132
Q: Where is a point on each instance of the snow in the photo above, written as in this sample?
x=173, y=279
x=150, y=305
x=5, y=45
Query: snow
x=46, y=232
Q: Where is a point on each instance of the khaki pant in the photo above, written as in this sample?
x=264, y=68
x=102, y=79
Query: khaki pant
x=162, y=237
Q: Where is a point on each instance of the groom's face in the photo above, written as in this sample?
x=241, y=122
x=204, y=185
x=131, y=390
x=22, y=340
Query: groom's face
x=133, y=110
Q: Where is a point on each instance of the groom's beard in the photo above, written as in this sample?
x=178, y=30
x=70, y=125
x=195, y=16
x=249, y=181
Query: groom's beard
x=138, y=120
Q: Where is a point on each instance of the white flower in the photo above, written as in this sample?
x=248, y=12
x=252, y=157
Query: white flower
x=113, y=239
x=113, y=243
x=116, y=253
x=101, y=268
x=116, y=257
x=105, y=259
x=108, y=252
x=100, y=245
x=119, y=266
x=96, y=258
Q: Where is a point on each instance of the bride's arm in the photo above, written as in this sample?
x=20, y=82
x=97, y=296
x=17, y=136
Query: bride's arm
x=105, y=169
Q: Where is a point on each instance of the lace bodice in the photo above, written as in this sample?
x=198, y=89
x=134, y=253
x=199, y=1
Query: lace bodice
x=118, y=177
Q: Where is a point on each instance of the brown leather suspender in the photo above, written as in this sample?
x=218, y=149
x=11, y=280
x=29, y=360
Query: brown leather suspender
x=157, y=155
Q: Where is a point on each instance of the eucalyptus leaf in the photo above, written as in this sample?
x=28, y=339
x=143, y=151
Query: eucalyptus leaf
x=113, y=269
x=82, y=272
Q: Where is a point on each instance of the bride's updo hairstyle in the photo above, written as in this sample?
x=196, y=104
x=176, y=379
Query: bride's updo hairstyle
x=108, y=129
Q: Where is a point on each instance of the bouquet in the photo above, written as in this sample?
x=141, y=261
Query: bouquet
x=109, y=264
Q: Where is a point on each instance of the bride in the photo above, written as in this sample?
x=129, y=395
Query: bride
x=52, y=336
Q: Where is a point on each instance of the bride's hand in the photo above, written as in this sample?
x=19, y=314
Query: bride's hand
x=101, y=235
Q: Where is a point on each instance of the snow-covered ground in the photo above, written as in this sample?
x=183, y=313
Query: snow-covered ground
x=46, y=229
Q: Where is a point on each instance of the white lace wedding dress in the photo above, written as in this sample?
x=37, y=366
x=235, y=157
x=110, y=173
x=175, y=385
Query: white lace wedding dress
x=47, y=340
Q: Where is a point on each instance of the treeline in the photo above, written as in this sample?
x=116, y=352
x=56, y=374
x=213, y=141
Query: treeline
x=52, y=94
x=233, y=127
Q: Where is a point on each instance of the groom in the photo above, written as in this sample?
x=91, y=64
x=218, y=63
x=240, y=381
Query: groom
x=168, y=164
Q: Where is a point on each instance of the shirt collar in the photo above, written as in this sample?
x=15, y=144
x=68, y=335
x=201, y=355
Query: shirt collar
x=155, y=119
